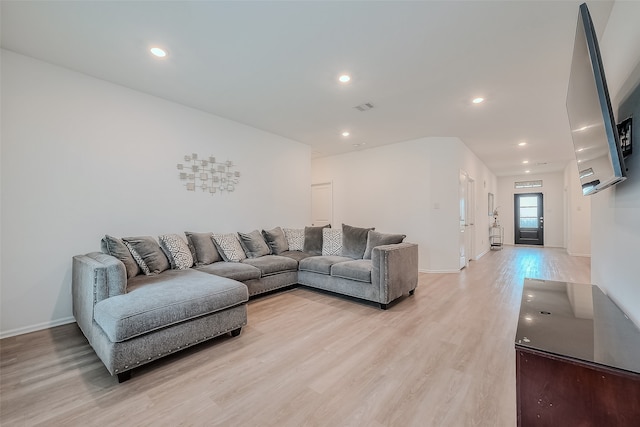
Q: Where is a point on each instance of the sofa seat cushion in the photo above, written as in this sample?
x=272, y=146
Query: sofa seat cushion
x=358, y=270
x=272, y=264
x=167, y=299
x=232, y=270
x=297, y=255
x=321, y=264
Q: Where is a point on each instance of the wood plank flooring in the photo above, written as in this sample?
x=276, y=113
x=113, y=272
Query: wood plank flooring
x=443, y=357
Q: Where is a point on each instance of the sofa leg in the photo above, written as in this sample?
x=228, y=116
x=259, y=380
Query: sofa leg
x=124, y=376
x=412, y=291
x=236, y=332
x=383, y=306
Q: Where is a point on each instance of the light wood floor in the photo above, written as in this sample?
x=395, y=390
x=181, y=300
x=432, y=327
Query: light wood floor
x=443, y=357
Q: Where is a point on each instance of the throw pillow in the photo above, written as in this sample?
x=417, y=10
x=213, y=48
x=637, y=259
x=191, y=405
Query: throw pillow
x=295, y=238
x=354, y=241
x=229, y=247
x=313, y=240
x=116, y=248
x=378, y=239
x=331, y=241
x=180, y=256
x=150, y=252
x=203, y=247
x=253, y=244
x=276, y=240
x=143, y=265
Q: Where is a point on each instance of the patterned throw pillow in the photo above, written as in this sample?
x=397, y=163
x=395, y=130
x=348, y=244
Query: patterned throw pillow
x=331, y=241
x=229, y=247
x=295, y=238
x=143, y=265
x=179, y=253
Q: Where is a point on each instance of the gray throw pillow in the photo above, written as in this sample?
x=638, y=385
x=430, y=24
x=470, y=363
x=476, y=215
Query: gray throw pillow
x=313, y=240
x=354, y=241
x=150, y=252
x=253, y=244
x=116, y=248
x=276, y=240
x=203, y=247
x=378, y=239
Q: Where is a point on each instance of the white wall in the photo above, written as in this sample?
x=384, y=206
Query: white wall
x=553, y=205
x=82, y=158
x=577, y=214
x=412, y=188
x=615, y=212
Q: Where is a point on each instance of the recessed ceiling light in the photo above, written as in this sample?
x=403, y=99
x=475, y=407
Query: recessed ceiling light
x=522, y=144
x=156, y=51
x=527, y=171
x=344, y=78
x=524, y=162
x=478, y=100
x=345, y=133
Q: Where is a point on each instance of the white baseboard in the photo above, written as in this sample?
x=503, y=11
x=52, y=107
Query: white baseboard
x=438, y=271
x=38, y=327
x=480, y=255
x=578, y=254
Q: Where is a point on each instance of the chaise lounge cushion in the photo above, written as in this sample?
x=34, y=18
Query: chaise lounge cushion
x=358, y=270
x=272, y=264
x=321, y=264
x=232, y=270
x=176, y=296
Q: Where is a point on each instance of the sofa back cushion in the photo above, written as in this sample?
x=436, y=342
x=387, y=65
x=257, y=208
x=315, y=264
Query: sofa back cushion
x=116, y=248
x=253, y=244
x=203, y=247
x=313, y=240
x=150, y=252
x=354, y=241
x=276, y=240
x=378, y=239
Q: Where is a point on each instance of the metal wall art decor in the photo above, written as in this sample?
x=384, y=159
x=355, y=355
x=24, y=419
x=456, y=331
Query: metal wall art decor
x=208, y=174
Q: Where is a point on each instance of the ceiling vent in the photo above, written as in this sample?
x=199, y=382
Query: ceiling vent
x=364, y=107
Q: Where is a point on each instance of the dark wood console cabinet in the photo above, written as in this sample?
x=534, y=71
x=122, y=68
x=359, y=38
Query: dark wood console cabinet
x=577, y=358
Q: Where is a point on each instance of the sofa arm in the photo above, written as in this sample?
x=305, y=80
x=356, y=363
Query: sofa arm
x=95, y=276
x=395, y=270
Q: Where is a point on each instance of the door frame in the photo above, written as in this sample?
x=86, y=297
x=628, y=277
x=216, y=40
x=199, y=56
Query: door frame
x=516, y=217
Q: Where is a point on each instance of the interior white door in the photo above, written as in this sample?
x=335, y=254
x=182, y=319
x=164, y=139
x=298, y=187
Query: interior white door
x=470, y=234
x=321, y=204
x=462, y=192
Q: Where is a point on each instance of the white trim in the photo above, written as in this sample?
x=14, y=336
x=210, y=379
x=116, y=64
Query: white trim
x=37, y=327
x=574, y=254
x=480, y=255
x=438, y=271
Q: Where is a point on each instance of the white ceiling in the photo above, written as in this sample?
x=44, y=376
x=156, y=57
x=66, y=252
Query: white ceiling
x=274, y=66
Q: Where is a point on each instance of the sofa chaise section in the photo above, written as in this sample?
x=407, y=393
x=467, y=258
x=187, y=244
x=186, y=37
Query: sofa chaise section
x=131, y=324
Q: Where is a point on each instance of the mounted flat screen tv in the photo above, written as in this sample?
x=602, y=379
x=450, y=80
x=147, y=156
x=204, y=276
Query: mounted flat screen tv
x=593, y=127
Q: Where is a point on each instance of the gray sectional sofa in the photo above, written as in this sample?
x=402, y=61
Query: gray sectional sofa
x=133, y=309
